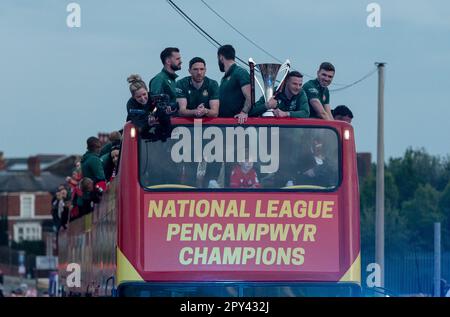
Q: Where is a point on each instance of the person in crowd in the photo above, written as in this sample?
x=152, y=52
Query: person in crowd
x=60, y=207
x=198, y=95
x=91, y=165
x=209, y=174
x=234, y=90
x=290, y=102
x=244, y=175
x=318, y=94
x=115, y=138
x=342, y=113
x=83, y=201
x=115, y=156
x=72, y=181
x=165, y=81
x=317, y=167
x=110, y=162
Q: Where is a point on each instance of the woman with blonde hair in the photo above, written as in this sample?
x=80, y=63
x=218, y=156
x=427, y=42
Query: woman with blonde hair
x=140, y=109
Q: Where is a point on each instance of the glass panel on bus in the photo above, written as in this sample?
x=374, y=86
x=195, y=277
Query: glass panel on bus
x=245, y=158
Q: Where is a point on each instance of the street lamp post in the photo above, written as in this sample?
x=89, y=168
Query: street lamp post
x=379, y=224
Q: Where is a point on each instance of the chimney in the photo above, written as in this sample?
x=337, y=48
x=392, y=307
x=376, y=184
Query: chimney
x=2, y=162
x=34, y=165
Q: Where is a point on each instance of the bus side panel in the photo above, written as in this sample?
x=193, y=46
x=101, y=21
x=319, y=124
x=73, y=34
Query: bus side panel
x=129, y=208
x=89, y=242
x=74, y=252
x=350, y=233
x=104, y=234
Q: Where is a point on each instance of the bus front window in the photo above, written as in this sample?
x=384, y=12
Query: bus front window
x=252, y=158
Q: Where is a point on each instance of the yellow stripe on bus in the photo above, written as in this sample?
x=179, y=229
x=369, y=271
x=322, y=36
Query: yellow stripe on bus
x=305, y=187
x=354, y=272
x=125, y=270
x=169, y=186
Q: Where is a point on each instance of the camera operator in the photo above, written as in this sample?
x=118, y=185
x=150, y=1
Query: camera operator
x=164, y=108
x=139, y=106
x=145, y=111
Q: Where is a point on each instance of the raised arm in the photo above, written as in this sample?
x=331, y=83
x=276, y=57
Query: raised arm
x=318, y=108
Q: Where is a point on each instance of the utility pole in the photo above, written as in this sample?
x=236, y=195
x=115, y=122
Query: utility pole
x=437, y=259
x=379, y=223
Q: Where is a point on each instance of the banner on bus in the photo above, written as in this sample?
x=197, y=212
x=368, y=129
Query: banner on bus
x=241, y=231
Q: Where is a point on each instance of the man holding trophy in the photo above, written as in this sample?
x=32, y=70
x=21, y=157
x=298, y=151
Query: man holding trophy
x=287, y=100
x=290, y=101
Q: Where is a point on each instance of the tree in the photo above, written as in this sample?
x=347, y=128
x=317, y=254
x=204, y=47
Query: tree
x=417, y=194
x=421, y=212
x=416, y=168
x=395, y=224
x=444, y=206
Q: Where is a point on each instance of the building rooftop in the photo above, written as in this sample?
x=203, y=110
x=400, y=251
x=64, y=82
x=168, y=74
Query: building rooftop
x=25, y=181
x=42, y=172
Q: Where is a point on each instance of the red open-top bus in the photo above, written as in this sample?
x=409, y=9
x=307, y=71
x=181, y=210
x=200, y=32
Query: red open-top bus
x=268, y=208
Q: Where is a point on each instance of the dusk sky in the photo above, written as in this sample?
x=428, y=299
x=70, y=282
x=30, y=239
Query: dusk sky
x=60, y=85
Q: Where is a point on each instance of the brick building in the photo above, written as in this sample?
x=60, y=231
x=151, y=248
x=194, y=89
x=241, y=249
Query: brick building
x=26, y=189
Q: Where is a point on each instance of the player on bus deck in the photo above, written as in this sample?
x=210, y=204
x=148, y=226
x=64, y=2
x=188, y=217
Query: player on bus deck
x=317, y=92
x=165, y=81
x=91, y=165
x=234, y=90
x=342, y=113
x=291, y=101
x=198, y=95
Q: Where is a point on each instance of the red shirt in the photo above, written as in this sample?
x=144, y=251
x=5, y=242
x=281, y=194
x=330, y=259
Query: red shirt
x=239, y=179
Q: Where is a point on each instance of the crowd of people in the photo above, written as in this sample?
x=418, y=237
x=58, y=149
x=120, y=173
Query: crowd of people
x=91, y=176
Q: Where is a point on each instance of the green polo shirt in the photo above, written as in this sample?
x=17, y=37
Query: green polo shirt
x=164, y=83
x=91, y=166
x=297, y=106
x=232, y=99
x=313, y=90
x=208, y=91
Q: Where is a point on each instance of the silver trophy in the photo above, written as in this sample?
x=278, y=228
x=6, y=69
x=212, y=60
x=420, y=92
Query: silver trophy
x=269, y=74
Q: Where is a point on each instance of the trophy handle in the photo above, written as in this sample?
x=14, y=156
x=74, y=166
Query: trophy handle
x=251, y=65
x=251, y=61
x=286, y=67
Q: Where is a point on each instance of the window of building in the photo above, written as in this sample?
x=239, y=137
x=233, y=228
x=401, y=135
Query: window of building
x=27, y=205
x=27, y=232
